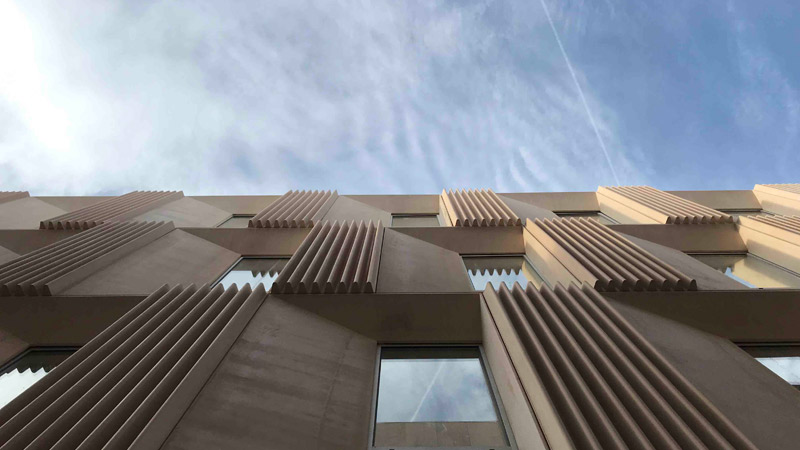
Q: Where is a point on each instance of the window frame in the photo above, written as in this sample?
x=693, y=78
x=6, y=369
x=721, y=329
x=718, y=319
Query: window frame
x=236, y=263
x=747, y=255
x=501, y=255
x=437, y=215
x=488, y=376
x=776, y=347
x=584, y=213
x=234, y=216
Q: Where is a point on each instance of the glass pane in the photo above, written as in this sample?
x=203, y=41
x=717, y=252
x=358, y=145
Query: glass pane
x=27, y=370
x=254, y=271
x=786, y=367
x=435, y=397
x=501, y=269
x=596, y=215
x=416, y=221
x=784, y=360
x=236, y=222
x=752, y=271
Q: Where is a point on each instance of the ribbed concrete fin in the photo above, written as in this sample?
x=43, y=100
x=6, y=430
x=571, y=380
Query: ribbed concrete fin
x=60, y=265
x=295, y=209
x=478, y=208
x=608, y=386
x=786, y=228
x=584, y=246
x=114, y=209
x=134, y=380
x=789, y=190
x=662, y=207
x=335, y=257
x=8, y=196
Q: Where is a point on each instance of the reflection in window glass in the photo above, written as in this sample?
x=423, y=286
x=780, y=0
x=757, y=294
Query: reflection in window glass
x=236, y=221
x=596, y=215
x=427, y=220
x=783, y=360
x=27, y=369
x=752, y=271
x=435, y=396
x=254, y=271
x=501, y=269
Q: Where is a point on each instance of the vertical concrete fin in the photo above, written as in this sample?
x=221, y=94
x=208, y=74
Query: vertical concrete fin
x=135, y=379
x=336, y=257
x=595, y=253
x=114, y=209
x=295, y=209
x=477, y=208
x=607, y=387
x=660, y=206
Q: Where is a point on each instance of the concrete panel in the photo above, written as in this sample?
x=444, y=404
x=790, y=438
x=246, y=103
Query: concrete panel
x=413, y=265
x=26, y=241
x=401, y=204
x=10, y=346
x=558, y=201
x=707, y=238
x=400, y=318
x=764, y=407
x=471, y=240
x=778, y=204
x=347, y=209
x=26, y=213
x=186, y=212
x=526, y=210
x=70, y=204
x=176, y=258
x=707, y=278
x=61, y=321
x=753, y=315
x=254, y=241
x=291, y=381
x=7, y=255
x=744, y=199
x=238, y=204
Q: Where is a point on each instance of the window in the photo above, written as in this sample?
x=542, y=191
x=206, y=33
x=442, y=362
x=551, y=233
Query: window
x=784, y=360
x=596, y=215
x=436, y=397
x=501, y=269
x=752, y=271
x=236, y=221
x=254, y=271
x=415, y=220
x=28, y=368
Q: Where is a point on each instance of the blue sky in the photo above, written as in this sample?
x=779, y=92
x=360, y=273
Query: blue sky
x=397, y=97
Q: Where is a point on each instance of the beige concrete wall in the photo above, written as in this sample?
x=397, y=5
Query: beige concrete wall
x=293, y=381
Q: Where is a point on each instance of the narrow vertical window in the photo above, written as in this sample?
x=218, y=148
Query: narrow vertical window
x=236, y=221
x=501, y=269
x=436, y=397
x=751, y=271
x=415, y=220
x=28, y=368
x=254, y=271
x=781, y=359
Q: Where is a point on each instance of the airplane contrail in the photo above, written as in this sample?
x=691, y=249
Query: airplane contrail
x=580, y=92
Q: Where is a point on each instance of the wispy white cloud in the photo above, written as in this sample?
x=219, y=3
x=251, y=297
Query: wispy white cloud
x=361, y=96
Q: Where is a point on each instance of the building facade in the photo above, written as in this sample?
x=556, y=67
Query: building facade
x=628, y=317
